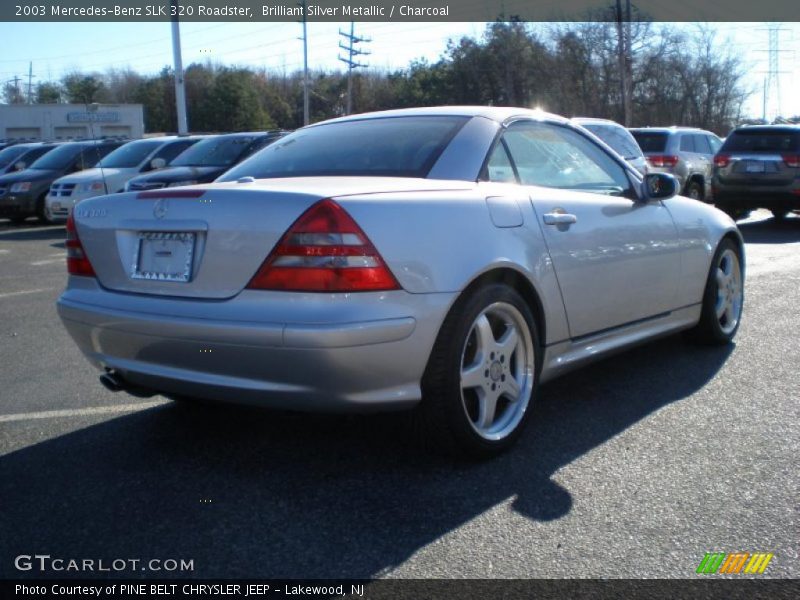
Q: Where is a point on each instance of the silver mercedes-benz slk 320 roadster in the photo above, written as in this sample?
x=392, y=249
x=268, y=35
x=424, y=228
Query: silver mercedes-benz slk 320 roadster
x=446, y=260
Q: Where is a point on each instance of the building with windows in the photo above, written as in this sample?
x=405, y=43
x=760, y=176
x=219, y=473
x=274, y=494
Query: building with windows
x=67, y=121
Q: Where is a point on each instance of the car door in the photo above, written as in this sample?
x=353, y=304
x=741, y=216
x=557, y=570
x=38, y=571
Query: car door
x=616, y=257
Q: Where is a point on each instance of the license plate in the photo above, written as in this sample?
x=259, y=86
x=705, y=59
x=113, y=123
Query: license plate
x=755, y=166
x=164, y=256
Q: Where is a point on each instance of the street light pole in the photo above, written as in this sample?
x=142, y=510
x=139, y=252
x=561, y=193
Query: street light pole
x=180, y=91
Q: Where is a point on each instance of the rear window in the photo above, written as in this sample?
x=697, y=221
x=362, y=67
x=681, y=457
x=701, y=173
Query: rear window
x=650, y=141
x=389, y=146
x=760, y=140
x=617, y=137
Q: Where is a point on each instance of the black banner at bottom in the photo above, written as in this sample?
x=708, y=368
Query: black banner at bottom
x=411, y=589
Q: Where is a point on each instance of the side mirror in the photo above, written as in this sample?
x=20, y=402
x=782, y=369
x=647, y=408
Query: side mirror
x=659, y=186
x=20, y=166
x=158, y=163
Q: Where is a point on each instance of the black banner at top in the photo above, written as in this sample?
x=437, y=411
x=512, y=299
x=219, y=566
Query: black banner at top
x=391, y=10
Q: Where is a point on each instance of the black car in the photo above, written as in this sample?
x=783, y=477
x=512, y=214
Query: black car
x=22, y=193
x=206, y=160
x=20, y=156
x=758, y=167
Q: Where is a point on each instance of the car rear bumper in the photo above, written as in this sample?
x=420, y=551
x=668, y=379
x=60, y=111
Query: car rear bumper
x=324, y=365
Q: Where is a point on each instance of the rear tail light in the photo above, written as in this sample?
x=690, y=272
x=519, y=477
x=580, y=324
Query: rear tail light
x=324, y=251
x=660, y=160
x=722, y=160
x=792, y=160
x=77, y=263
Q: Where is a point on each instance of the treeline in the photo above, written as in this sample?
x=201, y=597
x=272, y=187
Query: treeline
x=678, y=77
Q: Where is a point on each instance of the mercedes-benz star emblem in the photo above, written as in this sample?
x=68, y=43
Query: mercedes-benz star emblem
x=160, y=209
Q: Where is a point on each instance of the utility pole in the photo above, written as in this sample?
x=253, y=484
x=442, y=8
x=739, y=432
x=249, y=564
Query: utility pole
x=180, y=90
x=350, y=61
x=303, y=5
x=30, y=77
x=771, y=105
x=625, y=59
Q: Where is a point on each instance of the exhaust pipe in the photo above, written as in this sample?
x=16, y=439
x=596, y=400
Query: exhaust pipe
x=114, y=382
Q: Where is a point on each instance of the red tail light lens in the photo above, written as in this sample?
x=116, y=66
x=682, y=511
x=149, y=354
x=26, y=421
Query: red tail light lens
x=792, y=160
x=722, y=160
x=663, y=160
x=324, y=251
x=77, y=263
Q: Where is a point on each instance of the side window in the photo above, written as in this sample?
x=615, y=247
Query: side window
x=498, y=167
x=701, y=144
x=715, y=143
x=88, y=158
x=555, y=156
x=170, y=151
x=687, y=142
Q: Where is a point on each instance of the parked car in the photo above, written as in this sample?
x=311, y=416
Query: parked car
x=206, y=161
x=22, y=194
x=20, y=156
x=386, y=260
x=759, y=167
x=684, y=152
x=619, y=138
x=112, y=173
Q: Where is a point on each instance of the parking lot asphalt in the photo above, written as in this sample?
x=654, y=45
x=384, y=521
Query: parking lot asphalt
x=632, y=468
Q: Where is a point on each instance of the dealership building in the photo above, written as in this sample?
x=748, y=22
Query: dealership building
x=65, y=121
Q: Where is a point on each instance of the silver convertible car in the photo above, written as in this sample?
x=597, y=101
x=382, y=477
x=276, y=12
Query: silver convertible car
x=444, y=260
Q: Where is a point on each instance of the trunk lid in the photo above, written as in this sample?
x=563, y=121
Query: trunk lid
x=206, y=241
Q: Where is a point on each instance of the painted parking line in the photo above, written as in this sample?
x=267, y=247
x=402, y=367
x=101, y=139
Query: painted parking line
x=23, y=292
x=49, y=261
x=4, y=251
x=82, y=412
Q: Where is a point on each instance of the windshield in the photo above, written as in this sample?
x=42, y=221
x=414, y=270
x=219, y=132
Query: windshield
x=130, y=155
x=389, y=146
x=59, y=157
x=761, y=140
x=650, y=141
x=618, y=138
x=214, y=152
x=9, y=155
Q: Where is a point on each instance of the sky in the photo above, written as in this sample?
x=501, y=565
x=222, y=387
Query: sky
x=58, y=48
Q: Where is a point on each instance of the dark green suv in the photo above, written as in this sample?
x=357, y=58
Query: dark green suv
x=758, y=167
x=22, y=193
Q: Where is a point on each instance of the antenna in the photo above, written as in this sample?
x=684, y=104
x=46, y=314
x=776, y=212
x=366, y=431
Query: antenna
x=91, y=111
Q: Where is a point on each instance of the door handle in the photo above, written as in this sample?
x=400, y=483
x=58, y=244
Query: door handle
x=559, y=218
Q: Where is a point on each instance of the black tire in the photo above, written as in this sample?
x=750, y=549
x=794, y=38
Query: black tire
x=17, y=220
x=40, y=211
x=720, y=330
x=449, y=417
x=779, y=215
x=694, y=190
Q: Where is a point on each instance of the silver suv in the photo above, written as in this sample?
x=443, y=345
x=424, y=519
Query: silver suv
x=684, y=152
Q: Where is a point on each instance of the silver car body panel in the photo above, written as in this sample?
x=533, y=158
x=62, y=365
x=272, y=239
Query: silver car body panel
x=625, y=271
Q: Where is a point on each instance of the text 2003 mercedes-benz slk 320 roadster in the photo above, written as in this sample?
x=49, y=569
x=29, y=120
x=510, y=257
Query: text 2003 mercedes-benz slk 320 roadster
x=442, y=259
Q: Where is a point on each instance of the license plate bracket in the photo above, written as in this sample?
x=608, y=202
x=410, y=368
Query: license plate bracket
x=164, y=256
